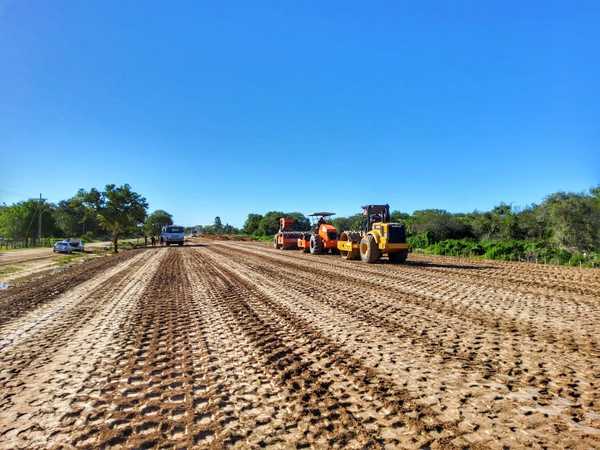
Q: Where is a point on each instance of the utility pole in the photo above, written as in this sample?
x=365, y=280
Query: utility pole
x=40, y=222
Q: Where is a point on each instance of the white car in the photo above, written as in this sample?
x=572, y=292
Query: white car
x=68, y=246
x=172, y=234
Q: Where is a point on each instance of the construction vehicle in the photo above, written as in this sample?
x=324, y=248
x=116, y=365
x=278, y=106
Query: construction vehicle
x=378, y=237
x=323, y=236
x=287, y=236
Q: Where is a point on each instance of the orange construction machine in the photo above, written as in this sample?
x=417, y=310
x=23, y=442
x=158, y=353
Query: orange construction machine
x=323, y=236
x=286, y=238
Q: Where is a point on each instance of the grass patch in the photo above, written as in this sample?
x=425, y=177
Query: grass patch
x=263, y=238
x=7, y=270
x=67, y=259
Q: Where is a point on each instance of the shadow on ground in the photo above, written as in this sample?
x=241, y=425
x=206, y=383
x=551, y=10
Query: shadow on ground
x=446, y=265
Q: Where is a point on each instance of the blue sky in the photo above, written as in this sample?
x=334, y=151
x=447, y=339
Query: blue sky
x=225, y=108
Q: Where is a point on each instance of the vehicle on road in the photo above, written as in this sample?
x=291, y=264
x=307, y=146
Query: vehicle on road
x=172, y=234
x=68, y=246
x=379, y=236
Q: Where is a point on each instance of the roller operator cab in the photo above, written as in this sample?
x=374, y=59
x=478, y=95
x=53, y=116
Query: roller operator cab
x=323, y=236
x=379, y=237
x=172, y=234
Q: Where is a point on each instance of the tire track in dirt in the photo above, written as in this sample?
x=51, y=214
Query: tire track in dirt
x=34, y=320
x=462, y=301
x=44, y=371
x=461, y=304
x=316, y=415
x=524, y=277
x=516, y=371
x=584, y=343
x=262, y=412
x=580, y=285
x=238, y=346
x=19, y=300
x=573, y=309
x=161, y=391
x=390, y=413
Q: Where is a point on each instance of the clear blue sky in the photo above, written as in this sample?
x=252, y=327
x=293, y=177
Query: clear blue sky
x=223, y=108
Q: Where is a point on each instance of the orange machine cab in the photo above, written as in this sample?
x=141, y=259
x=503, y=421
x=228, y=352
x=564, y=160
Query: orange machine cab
x=323, y=237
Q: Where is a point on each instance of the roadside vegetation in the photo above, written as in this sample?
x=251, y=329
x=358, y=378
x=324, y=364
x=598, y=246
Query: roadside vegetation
x=68, y=259
x=115, y=213
x=563, y=229
x=7, y=270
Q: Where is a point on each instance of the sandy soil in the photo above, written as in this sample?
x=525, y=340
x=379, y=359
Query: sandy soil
x=32, y=254
x=18, y=264
x=233, y=344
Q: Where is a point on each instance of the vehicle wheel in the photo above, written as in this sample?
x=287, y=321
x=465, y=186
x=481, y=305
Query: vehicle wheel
x=168, y=244
x=369, y=252
x=275, y=243
x=398, y=257
x=181, y=244
x=316, y=244
x=353, y=237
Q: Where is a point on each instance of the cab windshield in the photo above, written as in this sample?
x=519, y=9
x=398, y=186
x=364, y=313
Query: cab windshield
x=174, y=229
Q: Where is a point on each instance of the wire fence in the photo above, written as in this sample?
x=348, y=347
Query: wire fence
x=27, y=243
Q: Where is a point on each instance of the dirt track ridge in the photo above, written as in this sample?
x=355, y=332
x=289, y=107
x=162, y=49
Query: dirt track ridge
x=238, y=345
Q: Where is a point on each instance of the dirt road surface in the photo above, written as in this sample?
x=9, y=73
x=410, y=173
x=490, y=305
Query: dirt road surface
x=24, y=263
x=238, y=345
x=33, y=254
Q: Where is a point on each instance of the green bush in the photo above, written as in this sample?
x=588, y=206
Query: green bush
x=510, y=250
x=420, y=240
x=456, y=247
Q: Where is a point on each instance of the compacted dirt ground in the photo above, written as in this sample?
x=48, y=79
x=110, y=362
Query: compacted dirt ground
x=236, y=344
x=25, y=263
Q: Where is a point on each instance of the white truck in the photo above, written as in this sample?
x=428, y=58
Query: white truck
x=171, y=234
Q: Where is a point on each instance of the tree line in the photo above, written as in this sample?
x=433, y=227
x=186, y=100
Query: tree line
x=113, y=213
x=564, y=228
x=217, y=227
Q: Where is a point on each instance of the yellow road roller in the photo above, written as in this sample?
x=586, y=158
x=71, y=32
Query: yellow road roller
x=378, y=237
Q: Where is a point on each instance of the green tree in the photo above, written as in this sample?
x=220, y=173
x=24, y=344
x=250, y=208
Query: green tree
x=252, y=223
x=230, y=229
x=439, y=225
x=301, y=222
x=268, y=225
x=76, y=216
x=574, y=220
x=155, y=221
x=352, y=223
x=532, y=224
x=20, y=220
x=398, y=216
x=120, y=210
x=218, y=225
